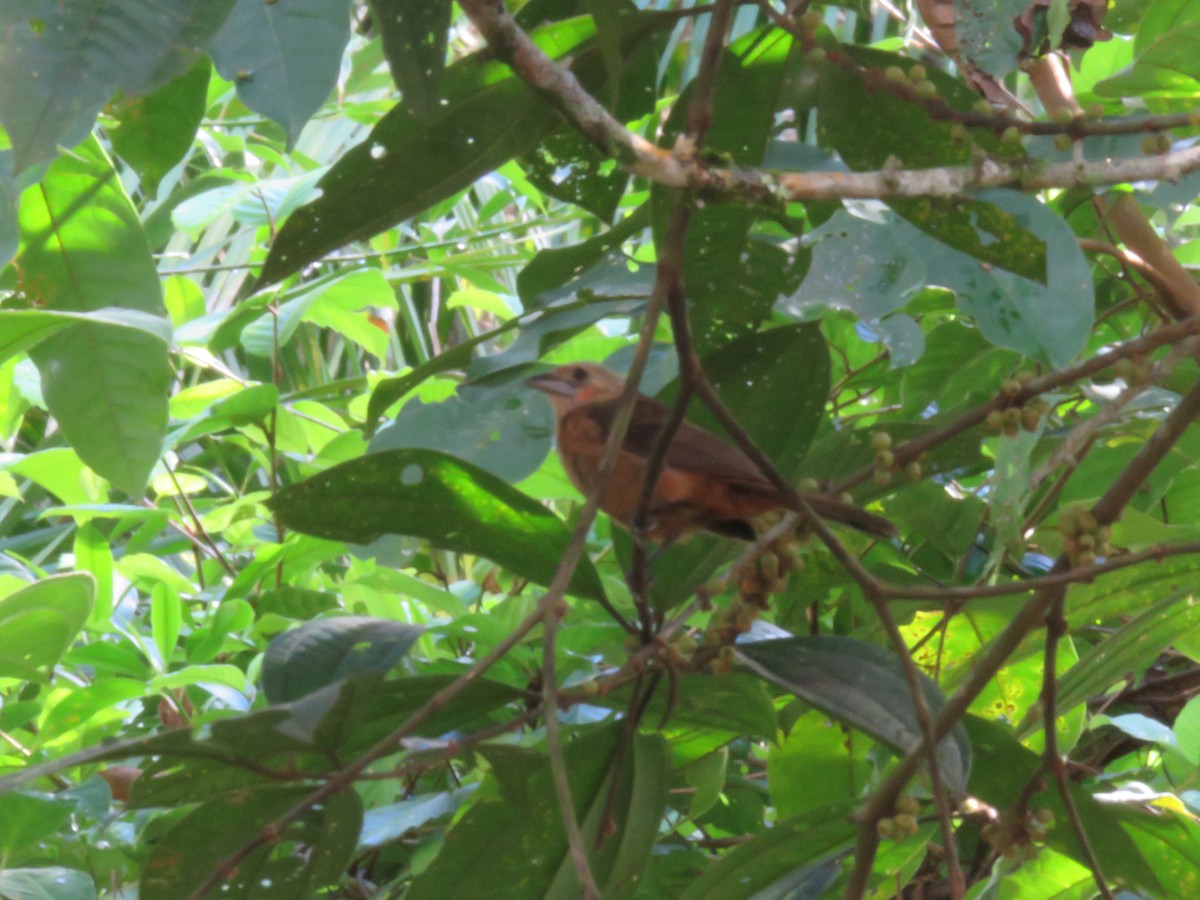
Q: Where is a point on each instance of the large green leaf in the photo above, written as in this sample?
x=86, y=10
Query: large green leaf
x=84, y=250
x=308, y=855
x=407, y=163
x=491, y=844
x=39, y=623
x=61, y=62
x=430, y=495
x=497, y=426
x=803, y=850
x=1132, y=648
x=156, y=131
x=734, y=278
x=21, y=329
x=868, y=128
x=1164, y=60
x=863, y=686
x=414, y=42
x=319, y=653
x=283, y=57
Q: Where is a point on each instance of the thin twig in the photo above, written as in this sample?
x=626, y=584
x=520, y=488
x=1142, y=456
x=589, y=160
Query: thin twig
x=1056, y=627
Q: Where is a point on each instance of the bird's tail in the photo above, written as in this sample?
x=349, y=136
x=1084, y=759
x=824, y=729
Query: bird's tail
x=837, y=510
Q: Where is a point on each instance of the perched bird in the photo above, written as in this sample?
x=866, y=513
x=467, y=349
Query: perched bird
x=706, y=484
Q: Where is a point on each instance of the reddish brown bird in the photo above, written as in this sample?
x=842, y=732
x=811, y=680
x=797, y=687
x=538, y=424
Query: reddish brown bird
x=706, y=484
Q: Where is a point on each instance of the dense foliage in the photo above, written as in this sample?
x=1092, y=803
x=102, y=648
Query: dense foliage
x=295, y=599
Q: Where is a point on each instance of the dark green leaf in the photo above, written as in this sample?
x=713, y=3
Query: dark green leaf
x=419, y=161
x=863, y=686
x=803, y=850
x=429, y=495
x=260, y=49
x=491, y=844
x=309, y=854
x=320, y=653
x=414, y=42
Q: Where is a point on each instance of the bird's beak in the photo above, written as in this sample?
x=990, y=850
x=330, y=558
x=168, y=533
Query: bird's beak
x=548, y=383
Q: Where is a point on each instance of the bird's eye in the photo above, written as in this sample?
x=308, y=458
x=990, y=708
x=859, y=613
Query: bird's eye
x=579, y=374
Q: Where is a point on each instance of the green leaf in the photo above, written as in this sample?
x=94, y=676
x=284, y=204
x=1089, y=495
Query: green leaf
x=48, y=883
x=734, y=278
x=320, y=304
x=319, y=653
x=25, y=328
x=421, y=161
x=491, y=843
x=309, y=854
x=1131, y=648
x=1163, y=64
x=156, y=132
x=499, y=427
x=429, y=495
x=986, y=34
x=81, y=53
x=863, y=686
x=414, y=42
x=166, y=620
x=260, y=48
x=802, y=852
x=106, y=385
x=28, y=819
x=819, y=763
x=39, y=623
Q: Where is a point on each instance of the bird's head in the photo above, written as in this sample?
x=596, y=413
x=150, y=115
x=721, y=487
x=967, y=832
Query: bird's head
x=578, y=383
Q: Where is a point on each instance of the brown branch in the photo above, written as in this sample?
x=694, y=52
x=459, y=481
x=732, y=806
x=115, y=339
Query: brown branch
x=907, y=452
x=1055, y=579
x=682, y=169
x=1056, y=627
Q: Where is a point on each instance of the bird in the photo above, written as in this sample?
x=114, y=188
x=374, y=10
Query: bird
x=705, y=484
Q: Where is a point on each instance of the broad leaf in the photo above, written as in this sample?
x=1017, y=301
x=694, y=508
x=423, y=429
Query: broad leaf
x=308, y=855
x=863, y=686
x=433, y=496
x=320, y=653
x=85, y=251
x=39, y=623
x=259, y=47
x=490, y=844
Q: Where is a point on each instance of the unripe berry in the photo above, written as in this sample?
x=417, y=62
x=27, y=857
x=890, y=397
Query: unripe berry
x=1030, y=419
x=913, y=471
x=882, y=477
x=1011, y=136
x=894, y=73
x=885, y=459
x=916, y=73
x=881, y=440
x=926, y=90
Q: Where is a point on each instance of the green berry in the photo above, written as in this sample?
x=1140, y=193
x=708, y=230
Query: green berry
x=1063, y=143
x=881, y=440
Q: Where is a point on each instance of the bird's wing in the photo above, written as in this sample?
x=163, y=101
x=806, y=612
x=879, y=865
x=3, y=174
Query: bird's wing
x=692, y=449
